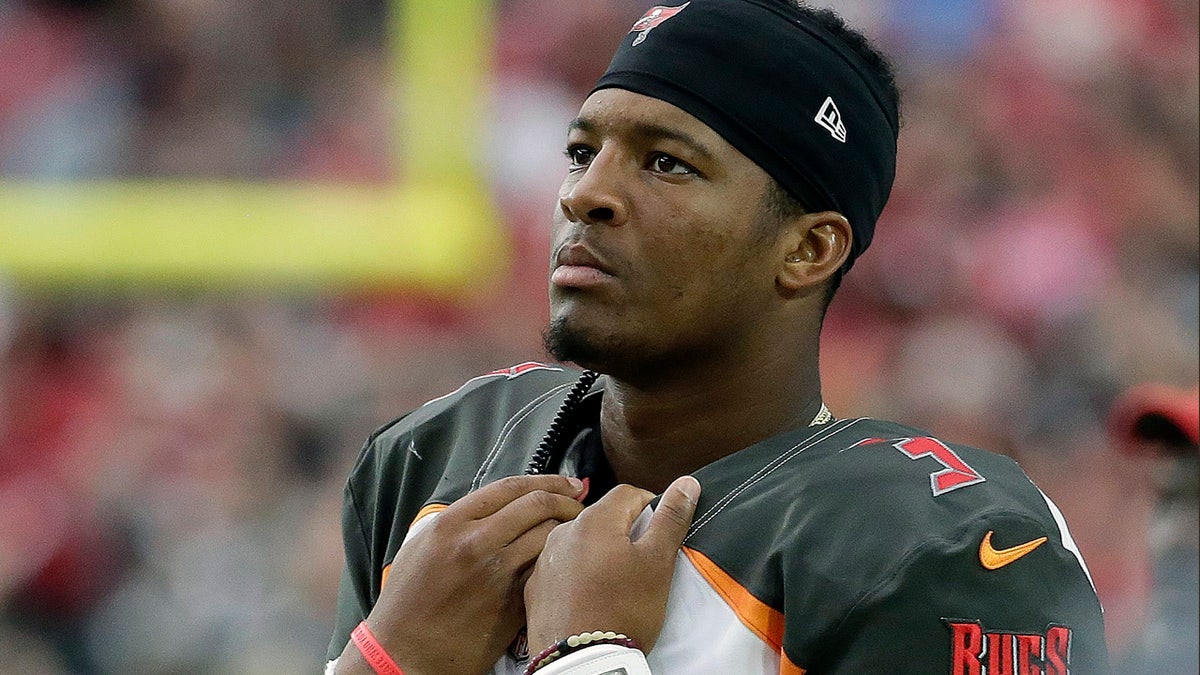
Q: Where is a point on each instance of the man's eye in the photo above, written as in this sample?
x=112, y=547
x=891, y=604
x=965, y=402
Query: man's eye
x=664, y=163
x=580, y=155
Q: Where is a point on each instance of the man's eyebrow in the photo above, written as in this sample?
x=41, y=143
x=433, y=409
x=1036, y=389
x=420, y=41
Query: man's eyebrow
x=651, y=131
x=580, y=124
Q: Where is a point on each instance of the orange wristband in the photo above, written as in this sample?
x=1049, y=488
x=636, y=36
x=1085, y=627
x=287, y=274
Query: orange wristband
x=373, y=652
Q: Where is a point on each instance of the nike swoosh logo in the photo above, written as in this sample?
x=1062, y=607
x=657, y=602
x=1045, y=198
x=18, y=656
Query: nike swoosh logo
x=992, y=559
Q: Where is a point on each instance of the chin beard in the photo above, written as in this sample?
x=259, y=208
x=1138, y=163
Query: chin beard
x=603, y=354
x=563, y=343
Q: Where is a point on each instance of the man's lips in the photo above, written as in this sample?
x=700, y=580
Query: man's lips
x=577, y=267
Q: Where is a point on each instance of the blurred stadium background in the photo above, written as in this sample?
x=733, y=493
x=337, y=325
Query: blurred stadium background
x=237, y=235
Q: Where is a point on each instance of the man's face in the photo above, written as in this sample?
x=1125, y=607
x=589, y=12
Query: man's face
x=663, y=250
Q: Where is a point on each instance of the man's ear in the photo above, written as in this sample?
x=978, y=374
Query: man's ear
x=813, y=248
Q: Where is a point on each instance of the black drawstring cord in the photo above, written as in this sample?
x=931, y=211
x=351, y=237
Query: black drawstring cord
x=554, y=443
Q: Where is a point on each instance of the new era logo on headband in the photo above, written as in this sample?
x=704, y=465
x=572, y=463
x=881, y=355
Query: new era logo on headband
x=653, y=18
x=830, y=118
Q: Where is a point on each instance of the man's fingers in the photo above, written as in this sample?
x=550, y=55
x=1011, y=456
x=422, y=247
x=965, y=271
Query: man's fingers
x=623, y=504
x=673, y=515
x=527, y=512
x=490, y=498
x=524, y=550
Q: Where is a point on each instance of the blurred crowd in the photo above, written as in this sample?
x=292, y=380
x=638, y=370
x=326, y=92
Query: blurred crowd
x=171, y=459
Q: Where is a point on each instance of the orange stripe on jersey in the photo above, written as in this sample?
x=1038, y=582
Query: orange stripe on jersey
x=786, y=667
x=762, y=619
x=427, y=510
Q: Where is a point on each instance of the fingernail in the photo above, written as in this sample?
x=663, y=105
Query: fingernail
x=690, y=487
x=575, y=483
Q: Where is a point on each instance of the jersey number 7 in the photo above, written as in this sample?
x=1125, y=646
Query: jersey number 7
x=956, y=473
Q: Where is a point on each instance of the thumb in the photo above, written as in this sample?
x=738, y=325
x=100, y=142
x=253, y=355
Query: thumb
x=673, y=515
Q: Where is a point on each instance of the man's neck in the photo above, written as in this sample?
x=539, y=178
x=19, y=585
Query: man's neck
x=653, y=436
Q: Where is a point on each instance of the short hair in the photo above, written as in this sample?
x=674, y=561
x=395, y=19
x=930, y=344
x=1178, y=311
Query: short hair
x=879, y=65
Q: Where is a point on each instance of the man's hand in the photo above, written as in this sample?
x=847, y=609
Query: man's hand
x=593, y=576
x=453, y=599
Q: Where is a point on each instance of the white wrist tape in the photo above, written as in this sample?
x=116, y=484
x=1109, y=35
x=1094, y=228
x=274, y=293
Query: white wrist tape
x=599, y=660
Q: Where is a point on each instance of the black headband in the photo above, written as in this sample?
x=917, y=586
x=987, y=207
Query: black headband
x=782, y=90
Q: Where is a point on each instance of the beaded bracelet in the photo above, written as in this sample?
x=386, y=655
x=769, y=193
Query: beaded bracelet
x=374, y=652
x=576, y=642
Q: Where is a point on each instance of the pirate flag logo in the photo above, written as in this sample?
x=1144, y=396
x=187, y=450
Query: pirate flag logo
x=652, y=18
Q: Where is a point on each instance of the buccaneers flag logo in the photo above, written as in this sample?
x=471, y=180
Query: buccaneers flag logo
x=652, y=18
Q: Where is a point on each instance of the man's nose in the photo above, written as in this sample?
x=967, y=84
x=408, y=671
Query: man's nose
x=598, y=195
